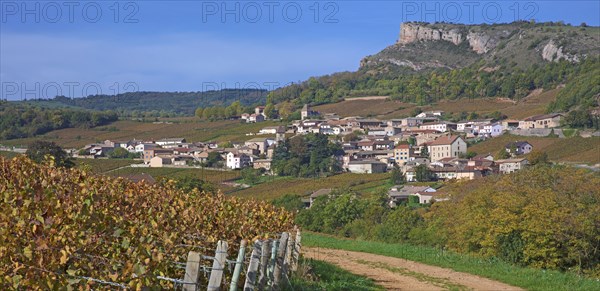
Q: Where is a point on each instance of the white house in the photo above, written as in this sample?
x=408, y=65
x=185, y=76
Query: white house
x=160, y=161
x=446, y=147
x=144, y=146
x=237, y=161
x=170, y=141
x=441, y=126
x=491, y=129
x=511, y=165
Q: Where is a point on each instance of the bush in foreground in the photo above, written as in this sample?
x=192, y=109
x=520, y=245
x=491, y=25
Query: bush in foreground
x=59, y=224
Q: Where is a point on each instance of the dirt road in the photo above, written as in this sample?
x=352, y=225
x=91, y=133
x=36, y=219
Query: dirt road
x=400, y=274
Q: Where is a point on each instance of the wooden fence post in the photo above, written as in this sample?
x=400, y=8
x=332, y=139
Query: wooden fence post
x=238, y=266
x=279, y=260
x=250, y=283
x=288, y=255
x=192, y=271
x=264, y=263
x=216, y=273
x=296, y=253
x=272, y=262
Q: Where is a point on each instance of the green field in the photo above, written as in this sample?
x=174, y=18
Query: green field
x=189, y=128
x=528, y=278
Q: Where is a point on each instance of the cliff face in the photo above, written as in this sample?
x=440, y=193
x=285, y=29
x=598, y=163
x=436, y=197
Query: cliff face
x=479, y=42
x=553, y=53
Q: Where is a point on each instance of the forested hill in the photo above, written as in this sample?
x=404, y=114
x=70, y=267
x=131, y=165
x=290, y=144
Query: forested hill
x=430, y=62
x=162, y=102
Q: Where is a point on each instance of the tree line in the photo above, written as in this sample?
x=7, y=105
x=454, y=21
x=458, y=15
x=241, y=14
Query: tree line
x=20, y=120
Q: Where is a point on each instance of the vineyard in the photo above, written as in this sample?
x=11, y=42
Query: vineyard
x=67, y=227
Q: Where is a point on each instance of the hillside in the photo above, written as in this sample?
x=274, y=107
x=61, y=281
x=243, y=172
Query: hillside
x=432, y=63
x=171, y=102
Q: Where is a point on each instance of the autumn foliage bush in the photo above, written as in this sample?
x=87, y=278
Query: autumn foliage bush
x=57, y=225
x=544, y=216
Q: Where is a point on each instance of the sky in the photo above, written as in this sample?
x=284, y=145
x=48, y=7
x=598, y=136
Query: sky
x=75, y=49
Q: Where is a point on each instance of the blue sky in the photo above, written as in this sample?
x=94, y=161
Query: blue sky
x=112, y=47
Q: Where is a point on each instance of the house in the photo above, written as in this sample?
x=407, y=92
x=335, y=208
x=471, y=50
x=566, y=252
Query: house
x=510, y=124
x=490, y=129
x=446, y=146
x=398, y=194
x=160, y=161
x=307, y=112
x=403, y=153
x=441, y=126
x=272, y=130
x=426, y=114
x=369, y=123
x=170, y=141
x=542, y=121
x=144, y=146
x=252, y=118
x=519, y=147
x=262, y=164
x=237, y=161
x=511, y=165
x=181, y=160
x=457, y=172
x=152, y=152
x=259, y=110
x=367, y=167
x=260, y=143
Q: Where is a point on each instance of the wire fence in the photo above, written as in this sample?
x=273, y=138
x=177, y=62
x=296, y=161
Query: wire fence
x=263, y=265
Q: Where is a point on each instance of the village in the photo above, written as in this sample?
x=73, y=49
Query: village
x=413, y=144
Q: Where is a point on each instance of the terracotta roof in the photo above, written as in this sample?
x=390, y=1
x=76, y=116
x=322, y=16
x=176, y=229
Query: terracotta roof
x=403, y=146
x=444, y=140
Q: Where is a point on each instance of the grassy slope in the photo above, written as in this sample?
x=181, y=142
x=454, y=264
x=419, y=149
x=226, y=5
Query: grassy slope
x=364, y=183
x=190, y=128
x=104, y=165
x=528, y=278
x=574, y=149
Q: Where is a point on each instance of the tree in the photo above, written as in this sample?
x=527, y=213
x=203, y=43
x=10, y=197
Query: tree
x=397, y=177
x=199, y=112
x=423, y=173
x=214, y=159
x=269, y=111
x=45, y=151
x=425, y=152
x=502, y=154
x=249, y=175
x=121, y=153
x=538, y=158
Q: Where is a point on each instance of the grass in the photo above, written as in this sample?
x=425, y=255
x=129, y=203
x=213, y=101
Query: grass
x=364, y=183
x=328, y=277
x=189, y=128
x=528, y=278
x=571, y=150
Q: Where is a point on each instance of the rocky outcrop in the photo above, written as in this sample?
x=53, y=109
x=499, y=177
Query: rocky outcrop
x=553, y=53
x=412, y=32
x=480, y=42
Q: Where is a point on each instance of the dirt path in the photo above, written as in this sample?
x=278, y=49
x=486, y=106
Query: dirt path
x=400, y=274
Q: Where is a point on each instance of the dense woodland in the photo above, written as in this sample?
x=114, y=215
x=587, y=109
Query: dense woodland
x=165, y=103
x=19, y=121
x=544, y=216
